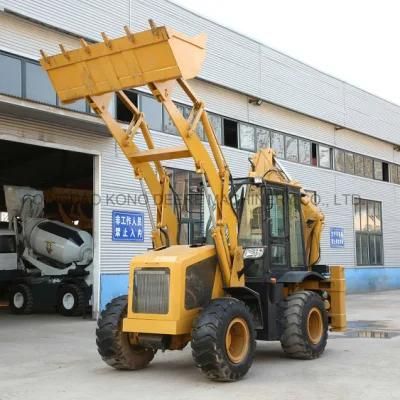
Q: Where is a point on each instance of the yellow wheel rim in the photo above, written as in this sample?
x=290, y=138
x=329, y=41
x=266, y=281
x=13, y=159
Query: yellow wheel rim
x=315, y=325
x=237, y=340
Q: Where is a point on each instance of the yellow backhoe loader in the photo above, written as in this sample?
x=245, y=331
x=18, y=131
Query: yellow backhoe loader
x=258, y=279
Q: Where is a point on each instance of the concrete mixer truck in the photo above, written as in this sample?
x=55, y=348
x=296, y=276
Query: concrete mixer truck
x=44, y=264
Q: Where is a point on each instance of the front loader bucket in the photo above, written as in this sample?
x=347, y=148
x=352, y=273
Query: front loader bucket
x=136, y=59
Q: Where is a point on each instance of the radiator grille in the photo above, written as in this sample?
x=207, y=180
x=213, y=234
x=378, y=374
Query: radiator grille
x=151, y=291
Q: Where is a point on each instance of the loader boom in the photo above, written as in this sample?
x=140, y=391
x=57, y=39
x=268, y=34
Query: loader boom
x=95, y=71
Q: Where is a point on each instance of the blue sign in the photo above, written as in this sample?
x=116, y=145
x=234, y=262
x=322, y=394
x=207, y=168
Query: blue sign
x=337, y=237
x=128, y=226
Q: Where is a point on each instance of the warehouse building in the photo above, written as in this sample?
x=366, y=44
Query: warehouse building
x=339, y=141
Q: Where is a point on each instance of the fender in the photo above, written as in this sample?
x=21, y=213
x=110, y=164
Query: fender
x=300, y=276
x=252, y=299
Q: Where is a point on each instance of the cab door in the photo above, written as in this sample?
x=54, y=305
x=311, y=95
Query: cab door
x=277, y=228
x=284, y=229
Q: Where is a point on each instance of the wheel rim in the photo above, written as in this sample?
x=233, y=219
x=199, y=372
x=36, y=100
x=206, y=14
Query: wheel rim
x=18, y=300
x=68, y=301
x=237, y=340
x=315, y=325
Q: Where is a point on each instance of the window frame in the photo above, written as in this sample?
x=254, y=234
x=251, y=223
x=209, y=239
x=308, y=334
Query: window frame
x=22, y=63
x=297, y=161
x=319, y=145
x=247, y=124
x=189, y=221
x=237, y=132
x=272, y=133
x=367, y=234
x=26, y=60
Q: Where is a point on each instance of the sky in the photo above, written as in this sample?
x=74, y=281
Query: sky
x=356, y=41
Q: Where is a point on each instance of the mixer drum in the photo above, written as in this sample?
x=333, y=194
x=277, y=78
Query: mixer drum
x=60, y=242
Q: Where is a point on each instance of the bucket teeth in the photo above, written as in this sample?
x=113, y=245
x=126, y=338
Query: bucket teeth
x=65, y=52
x=84, y=45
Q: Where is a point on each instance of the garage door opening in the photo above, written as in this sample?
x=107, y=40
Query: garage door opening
x=46, y=228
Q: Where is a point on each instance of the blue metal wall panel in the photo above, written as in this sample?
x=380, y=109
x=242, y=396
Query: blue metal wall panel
x=111, y=286
x=363, y=280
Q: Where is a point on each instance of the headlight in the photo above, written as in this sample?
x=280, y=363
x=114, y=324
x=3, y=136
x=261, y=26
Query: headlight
x=253, y=252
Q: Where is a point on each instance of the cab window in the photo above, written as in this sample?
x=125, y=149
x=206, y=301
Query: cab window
x=296, y=238
x=7, y=244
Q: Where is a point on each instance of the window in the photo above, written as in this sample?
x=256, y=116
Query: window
x=358, y=165
x=368, y=229
x=247, y=137
x=123, y=114
x=11, y=75
x=263, y=138
x=304, y=151
x=7, y=244
x=394, y=173
x=216, y=123
x=278, y=144
x=230, y=133
x=314, y=157
x=187, y=186
x=38, y=86
x=349, y=163
x=276, y=210
x=324, y=153
x=291, y=148
x=378, y=171
x=339, y=160
x=385, y=172
x=368, y=168
x=79, y=105
x=296, y=238
x=169, y=126
x=277, y=228
x=152, y=110
x=250, y=230
x=3, y=216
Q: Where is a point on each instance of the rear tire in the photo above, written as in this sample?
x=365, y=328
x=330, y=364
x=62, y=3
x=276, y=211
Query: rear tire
x=223, y=340
x=114, y=345
x=21, y=299
x=305, y=326
x=71, y=300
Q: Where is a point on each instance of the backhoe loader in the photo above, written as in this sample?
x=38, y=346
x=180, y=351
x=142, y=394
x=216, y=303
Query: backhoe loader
x=258, y=279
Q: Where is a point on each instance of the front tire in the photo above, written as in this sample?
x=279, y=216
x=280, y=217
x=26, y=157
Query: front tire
x=223, y=340
x=305, y=326
x=114, y=345
x=21, y=299
x=71, y=300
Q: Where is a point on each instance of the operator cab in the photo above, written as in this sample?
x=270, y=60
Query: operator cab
x=270, y=228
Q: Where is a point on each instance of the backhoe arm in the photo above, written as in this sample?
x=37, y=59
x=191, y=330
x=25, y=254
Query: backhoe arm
x=266, y=166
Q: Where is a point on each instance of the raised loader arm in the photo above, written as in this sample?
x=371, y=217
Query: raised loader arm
x=158, y=58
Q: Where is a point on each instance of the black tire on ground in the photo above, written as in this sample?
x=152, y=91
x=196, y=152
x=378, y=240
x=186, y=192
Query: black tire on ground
x=114, y=345
x=21, y=299
x=223, y=340
x=71, y=300
x=304, y=326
